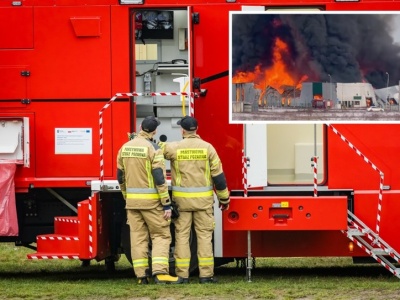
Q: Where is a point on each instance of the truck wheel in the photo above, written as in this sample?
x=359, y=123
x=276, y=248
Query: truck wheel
x=110, y=264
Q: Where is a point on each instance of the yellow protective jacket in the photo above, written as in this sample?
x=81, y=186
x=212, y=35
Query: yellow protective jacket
x=141, y=173
x=196, y=171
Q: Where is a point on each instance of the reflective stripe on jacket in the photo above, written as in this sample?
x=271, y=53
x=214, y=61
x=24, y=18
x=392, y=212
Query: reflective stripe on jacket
x=137, y=159
x=193, y=192
x=194, y=162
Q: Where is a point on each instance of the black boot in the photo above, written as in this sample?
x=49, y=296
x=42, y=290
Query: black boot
x=143, y=280
x=185, y=280
x=208, y=280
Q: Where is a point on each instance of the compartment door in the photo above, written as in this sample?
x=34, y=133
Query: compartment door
x=256, y=151
x=14, y=140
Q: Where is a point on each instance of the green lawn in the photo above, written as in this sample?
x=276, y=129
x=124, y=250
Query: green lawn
x=273, y=278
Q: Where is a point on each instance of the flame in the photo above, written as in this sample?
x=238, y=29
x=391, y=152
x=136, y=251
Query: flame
x=260, y=99
x=275, y=76
x=239, y=93
x=302, y=79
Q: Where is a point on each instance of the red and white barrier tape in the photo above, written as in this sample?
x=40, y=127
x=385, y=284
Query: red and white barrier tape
x=90, y=236
x=133, y=94
x=244, y=172
x=101, y=139
x=66, y=220
x=374, y=167
x=54, y=257
x=315, y=176
x=57, y=238
x=191, y=105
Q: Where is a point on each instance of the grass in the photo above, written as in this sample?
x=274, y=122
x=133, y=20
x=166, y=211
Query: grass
x=273, y=278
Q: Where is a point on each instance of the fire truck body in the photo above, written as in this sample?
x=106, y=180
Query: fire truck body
x=68, y=72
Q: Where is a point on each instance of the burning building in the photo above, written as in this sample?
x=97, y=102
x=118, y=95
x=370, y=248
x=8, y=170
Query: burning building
x=278, y=50
x=318, y=95
x=245, y=97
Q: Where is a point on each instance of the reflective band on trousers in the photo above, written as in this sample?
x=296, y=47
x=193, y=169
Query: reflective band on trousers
x=206, y=261
x=185, y=192
x=159, y=260
x=182, y=262
x=133, y=193
x=143, y=262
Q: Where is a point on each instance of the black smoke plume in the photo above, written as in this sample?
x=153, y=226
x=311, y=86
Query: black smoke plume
x=348, y=47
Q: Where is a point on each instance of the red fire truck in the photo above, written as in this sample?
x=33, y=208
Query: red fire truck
x=77, y=76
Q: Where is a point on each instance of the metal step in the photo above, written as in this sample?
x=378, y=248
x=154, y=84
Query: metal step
x=372, y=243
x=379, y=252
x=354, y=232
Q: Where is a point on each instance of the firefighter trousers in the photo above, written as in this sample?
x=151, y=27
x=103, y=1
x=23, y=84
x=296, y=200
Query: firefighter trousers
x=203, y=222
x=143, y=223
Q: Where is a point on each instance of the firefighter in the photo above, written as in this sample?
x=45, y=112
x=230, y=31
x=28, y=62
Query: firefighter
x=196, y=171
x=141, y=176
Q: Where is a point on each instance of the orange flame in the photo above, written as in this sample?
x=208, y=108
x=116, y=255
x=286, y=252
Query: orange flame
x=318, y=97
x=260, y=99
x=275, y=76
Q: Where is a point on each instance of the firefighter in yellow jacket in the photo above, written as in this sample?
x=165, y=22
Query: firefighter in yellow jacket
x=141, y=176
x=196, y=172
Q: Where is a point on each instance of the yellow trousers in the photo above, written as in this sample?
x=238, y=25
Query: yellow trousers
x=203, y=222
x=145, y=225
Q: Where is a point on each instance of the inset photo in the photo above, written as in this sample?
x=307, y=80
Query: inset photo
x=319, y=67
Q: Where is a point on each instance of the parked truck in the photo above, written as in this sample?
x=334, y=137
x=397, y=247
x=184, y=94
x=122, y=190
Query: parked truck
x=77, y=77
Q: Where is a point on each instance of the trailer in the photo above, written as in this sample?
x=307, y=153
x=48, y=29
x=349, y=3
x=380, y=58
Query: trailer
x=77, y=77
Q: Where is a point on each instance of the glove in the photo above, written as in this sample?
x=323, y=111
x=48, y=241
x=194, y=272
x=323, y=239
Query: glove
x=161, y=145
x=224, y=207
x=224, y=204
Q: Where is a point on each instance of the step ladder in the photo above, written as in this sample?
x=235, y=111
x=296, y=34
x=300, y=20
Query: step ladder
x=361, y=234
x=372, y=244
x=72, y=237
x=77, y=237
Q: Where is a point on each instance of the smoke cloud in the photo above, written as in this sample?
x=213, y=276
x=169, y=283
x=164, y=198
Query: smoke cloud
x=348, y=47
